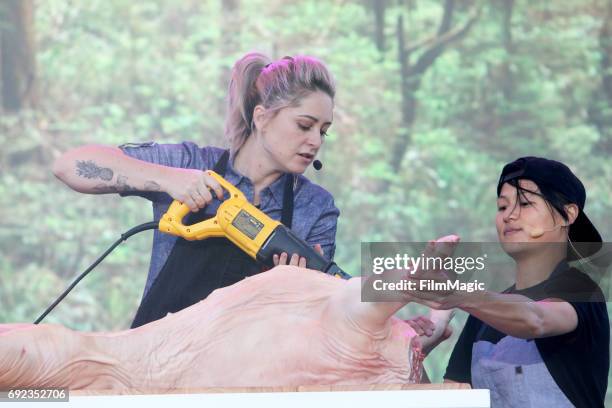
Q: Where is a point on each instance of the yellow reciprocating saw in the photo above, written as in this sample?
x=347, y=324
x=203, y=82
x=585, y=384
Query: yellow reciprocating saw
x=248, y=228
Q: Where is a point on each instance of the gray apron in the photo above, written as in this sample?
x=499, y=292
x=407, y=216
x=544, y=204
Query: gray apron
x=515, y=374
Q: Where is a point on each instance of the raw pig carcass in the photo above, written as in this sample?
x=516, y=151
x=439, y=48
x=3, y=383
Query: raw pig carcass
x=288, y=326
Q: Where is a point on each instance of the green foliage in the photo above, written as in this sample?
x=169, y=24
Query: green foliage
x=117, y=71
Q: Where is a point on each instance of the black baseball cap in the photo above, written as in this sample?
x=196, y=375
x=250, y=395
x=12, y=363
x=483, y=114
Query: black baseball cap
x=555, y=179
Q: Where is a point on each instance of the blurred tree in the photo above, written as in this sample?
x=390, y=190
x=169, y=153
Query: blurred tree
x=412, y=72
x=230, y=37
x=600, y=108
x=507, y=78
x=379, y=8
x=17, y=54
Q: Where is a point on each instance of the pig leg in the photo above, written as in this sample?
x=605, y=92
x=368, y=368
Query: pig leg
x=54, y=356
x=375, y=315
x=8, y=327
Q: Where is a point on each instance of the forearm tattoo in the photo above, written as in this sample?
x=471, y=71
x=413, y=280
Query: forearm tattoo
x=122, y=184
x=91, y=170
x=152, y=186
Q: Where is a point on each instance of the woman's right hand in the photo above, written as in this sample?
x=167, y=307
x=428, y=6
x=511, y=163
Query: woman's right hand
x=192, y=187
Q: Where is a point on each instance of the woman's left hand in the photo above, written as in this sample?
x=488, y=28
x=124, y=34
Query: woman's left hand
x=425, y=328
x=295, y=260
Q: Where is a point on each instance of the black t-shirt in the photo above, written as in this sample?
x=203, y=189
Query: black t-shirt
x=578, y=361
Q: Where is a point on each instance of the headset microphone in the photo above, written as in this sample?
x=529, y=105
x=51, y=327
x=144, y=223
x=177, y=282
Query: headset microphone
x=317, y=165
x=538, y=231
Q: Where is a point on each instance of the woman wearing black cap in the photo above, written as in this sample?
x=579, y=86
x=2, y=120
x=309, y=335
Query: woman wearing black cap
x=544, y=342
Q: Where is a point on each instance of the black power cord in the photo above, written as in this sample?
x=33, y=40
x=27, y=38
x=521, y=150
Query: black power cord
x=124, y=237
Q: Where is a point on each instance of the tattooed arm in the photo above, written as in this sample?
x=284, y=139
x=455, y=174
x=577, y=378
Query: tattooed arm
x=96, y=169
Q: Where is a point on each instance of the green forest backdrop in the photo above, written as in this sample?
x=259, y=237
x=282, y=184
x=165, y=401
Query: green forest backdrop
x=434, y=96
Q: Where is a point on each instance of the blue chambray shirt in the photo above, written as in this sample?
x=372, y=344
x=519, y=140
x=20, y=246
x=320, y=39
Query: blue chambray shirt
x=314, y=214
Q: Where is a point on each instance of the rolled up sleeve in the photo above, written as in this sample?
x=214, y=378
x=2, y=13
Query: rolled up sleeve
x=182, y=155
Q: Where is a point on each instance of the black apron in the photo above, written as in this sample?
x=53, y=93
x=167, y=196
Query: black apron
x=194, y=269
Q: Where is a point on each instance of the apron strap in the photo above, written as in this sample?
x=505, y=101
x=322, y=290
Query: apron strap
x=481, y=331
x=221, y=164
x=287, y=214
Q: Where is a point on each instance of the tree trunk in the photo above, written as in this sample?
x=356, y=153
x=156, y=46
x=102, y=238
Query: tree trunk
x=230, y=41
x=507, y=77
x=600, y=109
x=379, y=24
x=409, y=85
x=17, y=55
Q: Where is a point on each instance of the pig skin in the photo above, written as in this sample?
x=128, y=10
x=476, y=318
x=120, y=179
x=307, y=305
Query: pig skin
x=285, y=327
